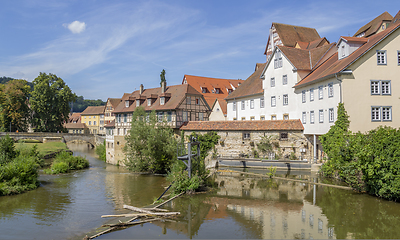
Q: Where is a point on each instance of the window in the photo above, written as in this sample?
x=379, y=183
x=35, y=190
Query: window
x=303, y=96
x=125, y=118
x=331, y=115
x=204, y=90
x=285, y=116
x=304, y=117
x=90, y=122
x=330, y=90
x=252, y=104
x=272, y=82
x=188, y=100
x=127, y=103
x=273, y=117
x=273, y=101
x=162, y=100
x=160, y=116
x=137, y=103
x=285, y=99
x=321, y=116
x=94, y=123
x=379, y=87
x=398, y=58
x=311, y=94
x=320, y=92
x=284, y=135
x=234, y=106
x=230, y=91
x=386, y=113
x=385, y=87
x=149, y=102
x=284, y=80
x=197, y=101
x=252, y=118
x=243, y=105
x=234, y=119
x=217, y=90
x=119, y=118
x=278, y=59
x=243, y=118
x=381, y=57
x=169, y=116
x=375, y=87
x=262, y=117
x=375, y=113
x=246, y=135
x=185, y=116
x=124, y=131
x=201, y=116
x=262, y=102
x=312, y=117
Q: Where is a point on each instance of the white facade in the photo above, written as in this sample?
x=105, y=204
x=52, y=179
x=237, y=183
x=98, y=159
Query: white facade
x=281, y=102
x=246, y=108
x=318, y=106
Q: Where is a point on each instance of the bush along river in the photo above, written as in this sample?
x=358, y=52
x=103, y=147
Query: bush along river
x=70, y=206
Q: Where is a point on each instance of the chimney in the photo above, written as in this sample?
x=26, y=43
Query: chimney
x=141, y=89
x=163, y=86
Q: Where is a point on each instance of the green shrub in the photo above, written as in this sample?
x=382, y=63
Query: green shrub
x=181, y=181
x=101, y=151
x=64, y=162
x=7, y=150
x=18, y=176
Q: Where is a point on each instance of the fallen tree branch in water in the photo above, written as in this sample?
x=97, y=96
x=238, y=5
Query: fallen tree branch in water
x=124, y=224
x=143, y=214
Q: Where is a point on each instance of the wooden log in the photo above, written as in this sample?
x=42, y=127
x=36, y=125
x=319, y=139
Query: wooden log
x=159, y=205
x=136, y=209
x=130, y=223
x=156, y=209
x=142, y=214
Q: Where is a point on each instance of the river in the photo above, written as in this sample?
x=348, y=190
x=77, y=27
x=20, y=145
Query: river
x=69, y=206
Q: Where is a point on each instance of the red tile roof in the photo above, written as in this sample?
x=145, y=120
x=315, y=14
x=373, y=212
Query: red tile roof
x=93, y=110
x=374, y=25
x=273, y=125
x=334, y=66
x=252, y=85
x=176, y=95
x=199, y=83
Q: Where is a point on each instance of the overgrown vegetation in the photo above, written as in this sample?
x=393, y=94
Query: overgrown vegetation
x=101, y=151
x=368, y=162
x=179, y=174
x=151, y=145
x=18, y=169
x=65, y=162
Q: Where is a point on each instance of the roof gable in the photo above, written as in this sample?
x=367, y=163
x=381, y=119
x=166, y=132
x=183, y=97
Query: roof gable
x=373, y=26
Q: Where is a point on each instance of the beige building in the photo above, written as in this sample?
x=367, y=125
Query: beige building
x=93, y=117
x=111, y=104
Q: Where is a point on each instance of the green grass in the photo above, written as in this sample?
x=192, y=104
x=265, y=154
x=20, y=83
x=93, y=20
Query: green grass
x=44, y=148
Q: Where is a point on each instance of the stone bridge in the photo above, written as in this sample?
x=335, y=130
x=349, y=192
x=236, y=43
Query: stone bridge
x=94, y=140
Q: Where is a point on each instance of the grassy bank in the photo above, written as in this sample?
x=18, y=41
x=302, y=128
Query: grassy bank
x=43, y=148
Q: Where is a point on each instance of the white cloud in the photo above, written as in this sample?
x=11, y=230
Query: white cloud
x=76, y=26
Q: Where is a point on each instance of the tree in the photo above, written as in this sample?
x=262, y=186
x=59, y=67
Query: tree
x=162, y=76
x=50, y=103
x=14, y=109
x=151, y=145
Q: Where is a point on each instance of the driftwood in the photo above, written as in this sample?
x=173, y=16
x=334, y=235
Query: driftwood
x=159, y=205
x=124, y=224
x=143, y=214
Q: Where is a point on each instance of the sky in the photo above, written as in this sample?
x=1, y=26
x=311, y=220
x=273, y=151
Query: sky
x=103, y=49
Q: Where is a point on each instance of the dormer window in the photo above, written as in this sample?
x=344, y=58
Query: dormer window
x=230, y=91
x=149, y=102
x=162, y=100
x=127, y=103
x=217, y=90
x=138, y=103
x=204, y=90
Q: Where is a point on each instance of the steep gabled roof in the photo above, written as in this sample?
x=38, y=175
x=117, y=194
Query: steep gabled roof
x=174, y=96
x=290, y=34
x=200, y=83
x=223, y=105
x=272, y=125
x=93, y=110
x=374, y=25
x=114, y=101
x=252, y=85
x=334, y=66
x=395, y=19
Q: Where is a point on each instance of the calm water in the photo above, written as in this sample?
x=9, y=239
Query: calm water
x=69, y=207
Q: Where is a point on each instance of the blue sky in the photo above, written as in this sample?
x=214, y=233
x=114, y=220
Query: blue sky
x=104, y=48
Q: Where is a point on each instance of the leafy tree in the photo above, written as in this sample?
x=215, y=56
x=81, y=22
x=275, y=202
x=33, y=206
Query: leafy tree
x=50, y=103
x=151, y=145
x=7, y=150
x=81, y=104
x=4, y=80
x=14, y=109
x=162, y=76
